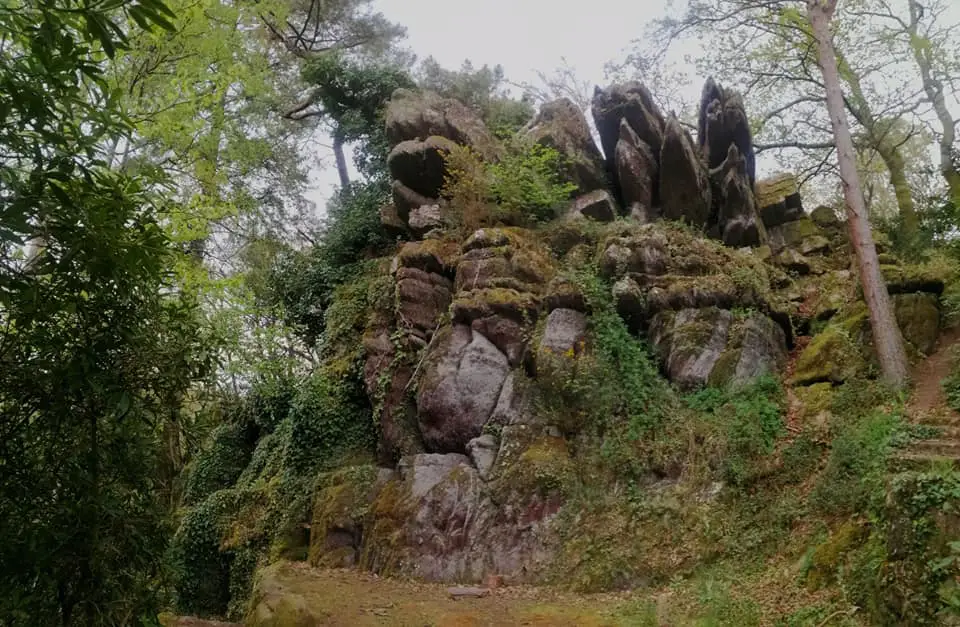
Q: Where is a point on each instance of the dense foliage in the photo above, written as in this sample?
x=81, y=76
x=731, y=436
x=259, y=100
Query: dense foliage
x=97, y=348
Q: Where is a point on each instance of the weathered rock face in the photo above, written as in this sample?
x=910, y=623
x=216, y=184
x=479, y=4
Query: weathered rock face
x=638, y=173
x=778, y=199
x=459, y=534
x=678, y=288
x=689, y=343
x=561, y=125
x=684, y=184
x=460, y=389
x=709, y=346
x=633, y=103
x=737, y=214
x=415, y=115
x=723, y=122
x=419, y=165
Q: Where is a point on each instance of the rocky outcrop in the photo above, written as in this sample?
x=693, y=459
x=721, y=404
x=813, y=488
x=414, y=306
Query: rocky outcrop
x=561, y=125
x=778, y=199
x=638, y=173
x=634, y=104
x=413, y=115
x=722, y=123
x=423, y=129
x=684, y=182
x=657, y=170
x=735, y=203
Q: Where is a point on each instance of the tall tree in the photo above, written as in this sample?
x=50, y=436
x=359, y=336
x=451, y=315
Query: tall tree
x=886, y=333
x=93, y=339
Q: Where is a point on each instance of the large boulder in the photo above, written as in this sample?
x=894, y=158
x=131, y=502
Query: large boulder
x=778, y=199
x=759, y=349
x=462, y=381
x=638, y=173
x=565, y=332
x=918, y=316
x=597, y=205
x=689, y=343
x=561, y=125
x=418, y=115
x=419, y=165
x=684, y=182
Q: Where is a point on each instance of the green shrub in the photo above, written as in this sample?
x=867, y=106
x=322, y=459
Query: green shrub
x=220, y=464
x=719, y=607
x=855, y=468
x=951, y=383
x=303, y=282
x=750, y=419
x=268, y=402
x=527, y=185
x=523, y=188
x=242, y=568
x=906, y=573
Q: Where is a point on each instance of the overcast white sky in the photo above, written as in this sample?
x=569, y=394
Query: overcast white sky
x=521, y=35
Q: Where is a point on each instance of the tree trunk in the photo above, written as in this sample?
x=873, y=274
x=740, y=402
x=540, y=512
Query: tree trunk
x=910, y=222
x=341, y=160
x=934, y=90
x=886, y=334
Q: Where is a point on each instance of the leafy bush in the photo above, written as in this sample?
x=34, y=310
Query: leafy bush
x=857, y=463
x=304, y=282
x=526, y=183
x=906, y=573
x=750, y=419
x=524, y=187
x=201, y=573
x=219, y=465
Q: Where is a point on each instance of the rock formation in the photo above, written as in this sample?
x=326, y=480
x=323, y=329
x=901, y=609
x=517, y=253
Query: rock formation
x=560, y=125
x=657, y=170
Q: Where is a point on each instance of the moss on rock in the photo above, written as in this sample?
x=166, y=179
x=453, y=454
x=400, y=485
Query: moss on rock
x=829, y=556
x=531, y=462
x=918, y=316
x=341, y=502
x=832, y=356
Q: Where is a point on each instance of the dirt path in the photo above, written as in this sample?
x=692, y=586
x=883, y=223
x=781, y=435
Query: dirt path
x=350, y=598
x=927, y=397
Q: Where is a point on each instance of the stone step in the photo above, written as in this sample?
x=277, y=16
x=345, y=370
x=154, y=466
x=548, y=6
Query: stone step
x=937, y=419
x=937, y=447
x=912, y=460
